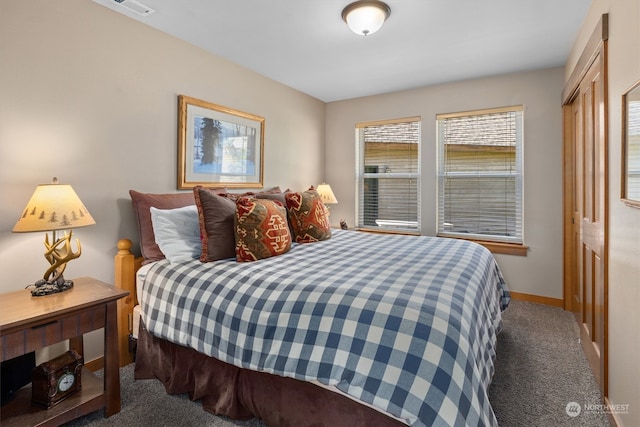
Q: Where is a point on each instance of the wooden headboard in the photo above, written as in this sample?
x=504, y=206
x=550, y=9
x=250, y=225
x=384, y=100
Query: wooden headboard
x=125, y=267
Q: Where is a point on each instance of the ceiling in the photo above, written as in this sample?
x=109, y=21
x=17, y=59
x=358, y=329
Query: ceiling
x=306, y=45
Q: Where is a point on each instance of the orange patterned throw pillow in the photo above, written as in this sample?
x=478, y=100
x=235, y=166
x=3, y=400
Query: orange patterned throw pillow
x=261, y=229
x=309, y=216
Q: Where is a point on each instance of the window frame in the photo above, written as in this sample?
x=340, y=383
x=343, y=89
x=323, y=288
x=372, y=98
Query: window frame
x=496, y=243
x=360, y=175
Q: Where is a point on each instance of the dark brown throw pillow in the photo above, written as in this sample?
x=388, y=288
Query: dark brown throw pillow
x=142, y=204
x=308, y=215
x=261, y=229
x=272, y=196
x=236, y=196
x=215, y=215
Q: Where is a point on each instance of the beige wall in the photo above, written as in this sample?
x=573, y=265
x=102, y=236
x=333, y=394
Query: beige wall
x=624, y=222
x=540, y=272
x=90, y=96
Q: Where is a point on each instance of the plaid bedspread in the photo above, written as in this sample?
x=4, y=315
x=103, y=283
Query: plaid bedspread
x=407, y=324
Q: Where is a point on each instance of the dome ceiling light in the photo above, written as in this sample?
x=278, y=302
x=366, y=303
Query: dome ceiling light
x=365, y=17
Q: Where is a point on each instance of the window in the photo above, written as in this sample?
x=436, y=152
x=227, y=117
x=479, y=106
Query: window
x=388, y=175
x=480, y=175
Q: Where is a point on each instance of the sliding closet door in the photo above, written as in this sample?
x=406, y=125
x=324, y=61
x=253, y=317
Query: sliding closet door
x=586, y=202
x=592, y=208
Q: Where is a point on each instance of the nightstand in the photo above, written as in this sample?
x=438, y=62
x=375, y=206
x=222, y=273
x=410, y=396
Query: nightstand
x=29, y=323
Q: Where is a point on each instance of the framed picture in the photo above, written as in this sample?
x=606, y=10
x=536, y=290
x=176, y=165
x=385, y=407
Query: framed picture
x=631, y=146
x=218, y=146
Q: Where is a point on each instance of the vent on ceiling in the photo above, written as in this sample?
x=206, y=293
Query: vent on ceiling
x=136, y=7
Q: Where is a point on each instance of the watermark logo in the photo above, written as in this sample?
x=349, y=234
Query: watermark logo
x=610, y=408
x=573, y=409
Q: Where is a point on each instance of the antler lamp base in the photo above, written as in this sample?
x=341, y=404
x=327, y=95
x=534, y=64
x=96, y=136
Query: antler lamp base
x=58, y=253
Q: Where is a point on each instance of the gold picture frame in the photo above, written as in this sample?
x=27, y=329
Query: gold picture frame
x=630, y=184
x=218, y=146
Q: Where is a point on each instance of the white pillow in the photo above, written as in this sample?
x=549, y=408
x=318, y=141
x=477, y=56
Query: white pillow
x=177, y=232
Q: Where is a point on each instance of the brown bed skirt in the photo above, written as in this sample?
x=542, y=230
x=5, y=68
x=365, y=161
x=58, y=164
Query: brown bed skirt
x=241, y=394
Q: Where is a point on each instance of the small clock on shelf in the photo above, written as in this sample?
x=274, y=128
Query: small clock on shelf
x=57, y=379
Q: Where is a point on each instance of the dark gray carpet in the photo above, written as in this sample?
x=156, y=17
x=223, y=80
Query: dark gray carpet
x=540, y=368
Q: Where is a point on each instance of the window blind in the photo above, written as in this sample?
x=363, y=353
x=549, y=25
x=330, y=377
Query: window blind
x=480, y=175
x=388, y=175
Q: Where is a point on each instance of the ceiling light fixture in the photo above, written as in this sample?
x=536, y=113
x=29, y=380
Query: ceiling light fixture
x=365, y=17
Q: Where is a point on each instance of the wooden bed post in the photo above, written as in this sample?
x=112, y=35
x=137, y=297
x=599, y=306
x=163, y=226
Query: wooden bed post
x=125, y=268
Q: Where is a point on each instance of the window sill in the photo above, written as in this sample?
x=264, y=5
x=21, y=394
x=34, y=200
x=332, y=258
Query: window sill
x=499, y=248
x=381, y=231
x=494, y=247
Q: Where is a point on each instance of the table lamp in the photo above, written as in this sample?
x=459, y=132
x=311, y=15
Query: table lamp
x=328, y=198
x=326, y=194
x=54, y=207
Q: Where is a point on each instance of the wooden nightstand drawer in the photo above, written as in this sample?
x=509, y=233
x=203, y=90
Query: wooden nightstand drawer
x=48, y=332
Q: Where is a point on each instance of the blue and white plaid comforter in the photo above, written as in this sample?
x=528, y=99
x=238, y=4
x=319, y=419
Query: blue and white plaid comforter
x=407, y=324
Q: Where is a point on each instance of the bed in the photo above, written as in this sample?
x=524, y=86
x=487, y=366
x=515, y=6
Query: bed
x=358, y=329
